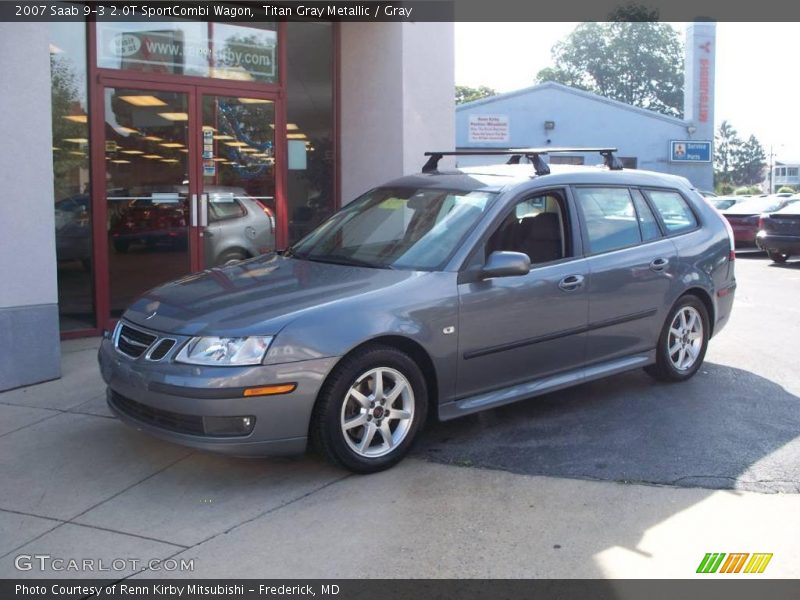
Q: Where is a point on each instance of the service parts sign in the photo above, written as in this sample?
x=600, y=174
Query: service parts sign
x=689, y=151
x=488, y=129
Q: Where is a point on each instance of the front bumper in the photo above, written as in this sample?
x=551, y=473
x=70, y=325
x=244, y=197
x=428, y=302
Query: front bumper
x=787, y=244
x=169, y=388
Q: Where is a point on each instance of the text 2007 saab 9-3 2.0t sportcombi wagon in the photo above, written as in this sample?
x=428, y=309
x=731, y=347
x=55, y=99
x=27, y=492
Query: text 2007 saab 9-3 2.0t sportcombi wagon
x=440, y=292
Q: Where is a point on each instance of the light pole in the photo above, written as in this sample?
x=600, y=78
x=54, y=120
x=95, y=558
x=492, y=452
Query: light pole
x=772, y=167
x=771, y=156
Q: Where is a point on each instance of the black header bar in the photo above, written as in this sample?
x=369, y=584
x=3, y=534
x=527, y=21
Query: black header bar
x=741, y=588
x=244, y=11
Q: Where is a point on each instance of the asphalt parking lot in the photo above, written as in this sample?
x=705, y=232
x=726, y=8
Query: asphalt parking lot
x=618, y=478
x=735, y=425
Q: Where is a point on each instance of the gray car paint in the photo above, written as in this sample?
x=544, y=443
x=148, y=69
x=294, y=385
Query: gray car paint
x=320, y=312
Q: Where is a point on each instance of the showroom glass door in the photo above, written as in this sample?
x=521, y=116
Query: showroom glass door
x=189, y=180
x=237, y=177
x=148, y=189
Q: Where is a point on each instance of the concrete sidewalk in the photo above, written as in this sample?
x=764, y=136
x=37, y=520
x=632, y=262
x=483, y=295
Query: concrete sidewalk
x=76, y=484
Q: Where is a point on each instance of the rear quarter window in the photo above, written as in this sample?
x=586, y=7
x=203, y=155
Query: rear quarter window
x=223, y=208
x=673, y=209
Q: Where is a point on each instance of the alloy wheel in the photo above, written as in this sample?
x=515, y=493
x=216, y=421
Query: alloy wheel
x=685, y=339
x=377, y=412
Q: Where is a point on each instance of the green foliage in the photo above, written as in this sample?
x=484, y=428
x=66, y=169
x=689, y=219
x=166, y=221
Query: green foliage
x=748, y=190
x=464, y=93
x=639, y=63
x=66, y=100
x=724, y=189
x=786, y=189
x=750, y=161
x=737, y=161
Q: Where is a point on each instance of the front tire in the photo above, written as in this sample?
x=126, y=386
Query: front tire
x=777, y=257
x=683, y=341
x=370, y=410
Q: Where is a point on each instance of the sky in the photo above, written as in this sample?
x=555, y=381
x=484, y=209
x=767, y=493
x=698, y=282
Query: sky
x=757, y=84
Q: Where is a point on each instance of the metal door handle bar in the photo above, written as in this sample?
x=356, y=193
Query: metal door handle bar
x=193, y=222
x=203, y=210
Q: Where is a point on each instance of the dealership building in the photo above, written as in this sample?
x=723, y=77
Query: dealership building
x=140, y=152
x=554, y=115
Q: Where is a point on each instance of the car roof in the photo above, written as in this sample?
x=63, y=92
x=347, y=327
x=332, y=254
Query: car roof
x=503, y=177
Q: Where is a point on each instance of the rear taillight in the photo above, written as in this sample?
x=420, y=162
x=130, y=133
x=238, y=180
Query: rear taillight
x=267, y=211
x=729, y=229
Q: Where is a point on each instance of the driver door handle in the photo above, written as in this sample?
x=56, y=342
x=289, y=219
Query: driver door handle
x=571, y=283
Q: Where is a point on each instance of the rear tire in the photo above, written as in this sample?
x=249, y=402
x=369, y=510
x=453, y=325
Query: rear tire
x=229, y=257
x=370, y=410
x=777, y=257
x=683, y=341
x=121, y=246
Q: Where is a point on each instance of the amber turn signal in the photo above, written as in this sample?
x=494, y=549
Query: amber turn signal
x=270, y=390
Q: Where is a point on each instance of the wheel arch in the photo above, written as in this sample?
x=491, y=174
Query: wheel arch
x=705, y=298
x=408, y=346
x=235, y=248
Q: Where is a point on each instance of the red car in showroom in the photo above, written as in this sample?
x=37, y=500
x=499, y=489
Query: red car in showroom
x=744, y=217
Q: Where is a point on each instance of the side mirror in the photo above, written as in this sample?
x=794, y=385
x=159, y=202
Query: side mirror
x=506, y=264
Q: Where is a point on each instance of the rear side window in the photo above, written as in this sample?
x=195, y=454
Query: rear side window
x=647, y=220
x=674, y=211
x=610, y=218
x=224, y=207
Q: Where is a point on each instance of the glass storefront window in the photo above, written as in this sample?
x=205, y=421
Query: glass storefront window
x=238, y=178
x=310, y=184
x=223, y=51
x=147, y=196
x=73, y=210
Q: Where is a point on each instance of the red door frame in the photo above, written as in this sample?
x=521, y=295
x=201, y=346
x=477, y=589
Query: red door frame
x=99, y=78
x=195, y=88
x=279, y=144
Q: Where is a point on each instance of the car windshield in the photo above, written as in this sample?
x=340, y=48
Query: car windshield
x=756, y=205
x=396, y=228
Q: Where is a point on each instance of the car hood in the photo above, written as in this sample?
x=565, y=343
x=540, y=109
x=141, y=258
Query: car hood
x=256, y=296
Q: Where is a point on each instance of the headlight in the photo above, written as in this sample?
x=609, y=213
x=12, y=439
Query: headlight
x=224, y=351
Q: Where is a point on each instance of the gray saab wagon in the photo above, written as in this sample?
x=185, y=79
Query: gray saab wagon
x=444, y=293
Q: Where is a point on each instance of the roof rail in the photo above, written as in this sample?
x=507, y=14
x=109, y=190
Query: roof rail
x=515, y=154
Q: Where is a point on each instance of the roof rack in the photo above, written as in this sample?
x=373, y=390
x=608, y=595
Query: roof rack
x=516, y=154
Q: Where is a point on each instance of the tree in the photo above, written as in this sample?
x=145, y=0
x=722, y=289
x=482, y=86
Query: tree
x=66, y=101
x=737, y=161
x=750, y=161
x=726, y=145
x=464, y=93
x=639, y=63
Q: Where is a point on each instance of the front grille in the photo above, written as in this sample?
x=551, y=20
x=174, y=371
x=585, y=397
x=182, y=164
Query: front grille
x=155, y=416
x=133, y=342
x=161, y=349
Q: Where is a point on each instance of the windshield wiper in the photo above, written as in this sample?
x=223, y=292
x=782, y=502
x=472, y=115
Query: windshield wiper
x=335, y=259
